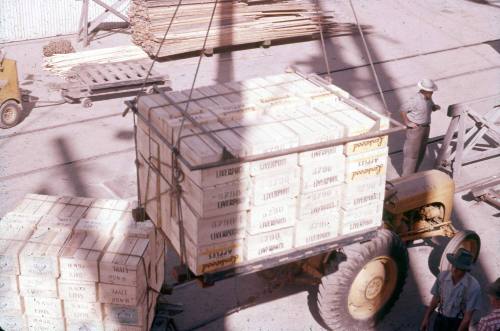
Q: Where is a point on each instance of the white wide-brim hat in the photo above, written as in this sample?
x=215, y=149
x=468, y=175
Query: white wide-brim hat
x=427, y=85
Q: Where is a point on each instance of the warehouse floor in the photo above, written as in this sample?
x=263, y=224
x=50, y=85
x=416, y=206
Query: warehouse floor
x=70, y=150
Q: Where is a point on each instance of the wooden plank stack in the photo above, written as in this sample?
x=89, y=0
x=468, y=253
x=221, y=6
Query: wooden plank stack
x=70, y=263
x=250, y=210
x=234, y=23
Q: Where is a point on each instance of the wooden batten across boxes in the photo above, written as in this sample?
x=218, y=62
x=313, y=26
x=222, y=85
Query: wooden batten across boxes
x=79, y=258
x=77, y=290
x=270, y=217
x=268, y=243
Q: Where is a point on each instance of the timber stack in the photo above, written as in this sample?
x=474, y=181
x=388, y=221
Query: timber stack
x=234, y=23
x=71, y=263
x=226, y=214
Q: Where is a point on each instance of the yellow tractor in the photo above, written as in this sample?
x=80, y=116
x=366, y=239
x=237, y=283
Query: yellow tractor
x=363, y=281
x=11, y=111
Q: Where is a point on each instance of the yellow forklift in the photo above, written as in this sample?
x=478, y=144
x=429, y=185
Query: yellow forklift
x=11, y=110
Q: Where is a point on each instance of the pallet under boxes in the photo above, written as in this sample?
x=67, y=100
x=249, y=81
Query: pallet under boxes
x=240, y=212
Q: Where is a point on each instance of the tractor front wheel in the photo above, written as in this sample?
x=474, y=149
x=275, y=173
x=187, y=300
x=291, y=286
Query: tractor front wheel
x=463, y=239
x=366, y=285
x=11, y=114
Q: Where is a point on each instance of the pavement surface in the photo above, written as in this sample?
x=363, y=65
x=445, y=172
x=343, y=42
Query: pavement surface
x=66, y=149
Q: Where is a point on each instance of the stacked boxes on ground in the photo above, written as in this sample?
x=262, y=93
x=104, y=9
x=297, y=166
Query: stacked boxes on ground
x=250, y=210
x=78, y=264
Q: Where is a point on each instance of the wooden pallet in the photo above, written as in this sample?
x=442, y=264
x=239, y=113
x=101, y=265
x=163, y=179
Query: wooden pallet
x=91, y=80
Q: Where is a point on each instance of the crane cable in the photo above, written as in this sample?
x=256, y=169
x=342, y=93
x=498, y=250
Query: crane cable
x=370, y=59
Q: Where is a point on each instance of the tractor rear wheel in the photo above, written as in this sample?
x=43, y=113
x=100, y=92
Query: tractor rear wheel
x=366, y=285
x=11, y=114
x=463, y=239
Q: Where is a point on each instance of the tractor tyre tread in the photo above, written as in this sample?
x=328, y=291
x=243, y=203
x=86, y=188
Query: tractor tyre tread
x=334, y=289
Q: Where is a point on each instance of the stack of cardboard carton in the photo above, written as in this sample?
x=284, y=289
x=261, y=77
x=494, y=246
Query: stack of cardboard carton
x=249, y=210
x=78, y=264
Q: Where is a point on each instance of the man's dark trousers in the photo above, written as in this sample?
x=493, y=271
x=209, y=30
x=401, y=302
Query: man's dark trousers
x=414, y=148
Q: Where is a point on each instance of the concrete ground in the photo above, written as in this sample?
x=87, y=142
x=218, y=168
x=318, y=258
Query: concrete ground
x=70, y=150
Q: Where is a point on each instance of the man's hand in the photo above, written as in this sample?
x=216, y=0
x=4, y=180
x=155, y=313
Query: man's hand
x=436, y=107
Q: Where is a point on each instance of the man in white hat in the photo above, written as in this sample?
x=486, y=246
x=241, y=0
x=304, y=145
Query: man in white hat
x=455, y=293
x=416, y=115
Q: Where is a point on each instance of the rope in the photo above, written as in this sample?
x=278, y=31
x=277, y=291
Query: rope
x=369, y=59
x=323, y=47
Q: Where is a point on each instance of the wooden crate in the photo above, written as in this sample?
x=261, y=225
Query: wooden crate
x=126, y=261
x=275, y=187
x=39, y=256
x=15, y=231
x=316, y=177
x=102, y=226
x=11, y=305
x=79, y=258
x=144, y=230
x=317, y=229
x=83, y=311
x=358, y=219
x=366, y=165
x=42, y=287
x=46, y=307
x=360, y=193
x=206, y=231
x=135, y=315
x=8, y=285
x=206, y=258
x=319, y=202
x=217, y=200
x=270, y=217
x=43, y=323
x=58, y=222
x=9, y=256
x=13, y=322
x=268, y=243
x=77, y=290
x=27, y=220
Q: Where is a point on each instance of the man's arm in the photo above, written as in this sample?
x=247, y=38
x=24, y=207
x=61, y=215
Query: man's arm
x=406, y=122
x=464, y=325
x=425, y=322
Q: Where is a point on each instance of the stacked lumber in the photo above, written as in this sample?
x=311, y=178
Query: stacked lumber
x=70, y=263
x=240, y=212
x=62, y=64
x=234, y=23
